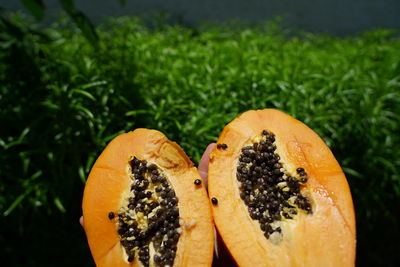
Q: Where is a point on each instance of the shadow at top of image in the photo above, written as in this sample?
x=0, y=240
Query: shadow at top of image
x=341, y=17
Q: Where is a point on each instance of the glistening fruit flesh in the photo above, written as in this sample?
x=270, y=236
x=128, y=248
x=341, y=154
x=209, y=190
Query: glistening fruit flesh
x=295, y=209
x=141, y=206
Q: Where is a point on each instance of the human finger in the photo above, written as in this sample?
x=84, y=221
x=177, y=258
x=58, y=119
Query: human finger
x=205, y=160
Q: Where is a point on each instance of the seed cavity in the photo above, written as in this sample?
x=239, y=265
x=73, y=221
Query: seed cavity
x=148, y=225
x=270, y=193
x=222, y=146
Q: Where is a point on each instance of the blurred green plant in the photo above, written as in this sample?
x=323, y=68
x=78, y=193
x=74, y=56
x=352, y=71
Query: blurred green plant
x=65, y=99
x=37, y=8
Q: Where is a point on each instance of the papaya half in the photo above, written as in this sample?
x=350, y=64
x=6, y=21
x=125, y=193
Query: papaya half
x=279, y=197
x=144, y=205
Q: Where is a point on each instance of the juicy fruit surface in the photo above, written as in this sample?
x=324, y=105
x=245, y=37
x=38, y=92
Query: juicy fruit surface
x=323, y=237
x=109, y=188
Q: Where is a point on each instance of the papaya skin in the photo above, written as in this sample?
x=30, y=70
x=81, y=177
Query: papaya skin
x=108, y=183
x=324, y=238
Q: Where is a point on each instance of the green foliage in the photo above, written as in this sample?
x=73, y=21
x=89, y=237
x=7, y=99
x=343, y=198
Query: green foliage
x=63, y=99
x=81, y=21
x=37, y=8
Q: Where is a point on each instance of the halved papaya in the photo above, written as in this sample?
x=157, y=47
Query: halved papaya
x=144, y=205
x=279, y=197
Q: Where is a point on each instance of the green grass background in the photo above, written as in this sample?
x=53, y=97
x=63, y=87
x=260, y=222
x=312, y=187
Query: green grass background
x=62, y=100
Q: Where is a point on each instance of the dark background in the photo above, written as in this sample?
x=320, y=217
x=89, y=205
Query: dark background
x=67, y=88
x=334, y=16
